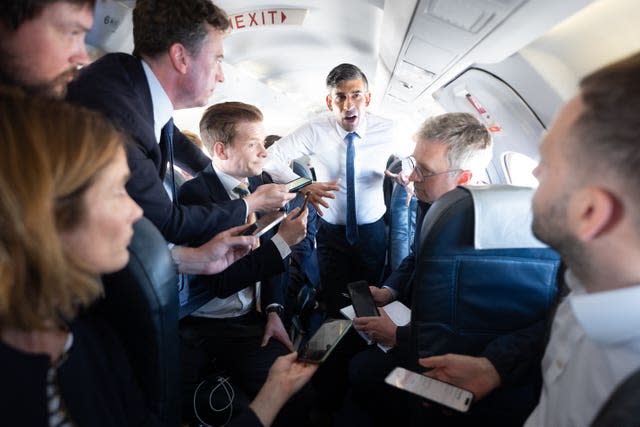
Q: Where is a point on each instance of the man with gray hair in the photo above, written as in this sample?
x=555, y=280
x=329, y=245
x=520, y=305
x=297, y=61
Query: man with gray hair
x=451, y=150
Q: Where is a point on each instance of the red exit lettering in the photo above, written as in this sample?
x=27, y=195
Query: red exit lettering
x=263, y=17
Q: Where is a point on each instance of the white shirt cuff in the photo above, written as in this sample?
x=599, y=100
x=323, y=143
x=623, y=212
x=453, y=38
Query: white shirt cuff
x=282, y=246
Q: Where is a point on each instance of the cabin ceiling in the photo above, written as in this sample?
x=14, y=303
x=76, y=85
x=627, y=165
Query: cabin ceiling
x=407, y=48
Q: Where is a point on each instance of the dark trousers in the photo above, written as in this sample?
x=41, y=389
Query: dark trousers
x=370, y=401
x=232, y=345
x=341, y=263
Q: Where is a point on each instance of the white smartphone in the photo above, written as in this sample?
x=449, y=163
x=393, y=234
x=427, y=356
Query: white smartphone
x=435, y=390
x=264, y=224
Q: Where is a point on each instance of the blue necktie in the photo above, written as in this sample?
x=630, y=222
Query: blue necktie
x=352, y=223
x=167, y=136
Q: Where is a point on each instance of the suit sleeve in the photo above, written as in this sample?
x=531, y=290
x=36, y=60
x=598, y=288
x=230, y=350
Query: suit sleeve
x=401, y=278
x=260, y=264
x=515, y=355
x=178, y=223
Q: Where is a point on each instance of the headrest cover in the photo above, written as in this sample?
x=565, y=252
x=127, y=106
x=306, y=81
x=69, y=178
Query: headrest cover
x=503, y=217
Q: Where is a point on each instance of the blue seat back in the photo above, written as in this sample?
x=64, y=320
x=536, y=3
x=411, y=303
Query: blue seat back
x=464, y=297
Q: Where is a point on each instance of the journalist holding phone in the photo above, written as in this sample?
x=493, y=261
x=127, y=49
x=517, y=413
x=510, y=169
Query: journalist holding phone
x=228, y=327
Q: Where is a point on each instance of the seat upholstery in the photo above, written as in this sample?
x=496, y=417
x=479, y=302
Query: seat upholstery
x=141, y=304
x=464, y=297
x=301, y=167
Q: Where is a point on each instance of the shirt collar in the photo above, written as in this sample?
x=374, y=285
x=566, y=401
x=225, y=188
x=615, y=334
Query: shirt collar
x=228, y=182
x=162, y=106
x=361, y=130
x=607, y=317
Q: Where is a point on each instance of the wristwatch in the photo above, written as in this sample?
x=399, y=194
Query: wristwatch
x=277, y=308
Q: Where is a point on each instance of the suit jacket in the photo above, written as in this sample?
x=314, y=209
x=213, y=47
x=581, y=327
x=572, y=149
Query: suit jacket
x=116, y=86
x=96, y=382
x=264, y=264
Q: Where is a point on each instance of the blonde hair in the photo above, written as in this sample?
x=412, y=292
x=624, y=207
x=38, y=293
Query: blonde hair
x=52, y=153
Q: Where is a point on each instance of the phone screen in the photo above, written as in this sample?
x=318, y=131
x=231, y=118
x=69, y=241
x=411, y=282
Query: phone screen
x=322, y=343
x=362, y=300
x=297, y=184
x=264, y=224
x=430, y=388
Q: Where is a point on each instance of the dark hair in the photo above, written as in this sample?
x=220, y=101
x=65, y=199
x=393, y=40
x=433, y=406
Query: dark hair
x=344, y=72
x=13, y=13
x=269, y=140
x=157, y=24
x=219, y=121
x=607, y=132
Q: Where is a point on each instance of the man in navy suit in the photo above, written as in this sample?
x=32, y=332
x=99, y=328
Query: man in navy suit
x=229, y=327
x=176, y=64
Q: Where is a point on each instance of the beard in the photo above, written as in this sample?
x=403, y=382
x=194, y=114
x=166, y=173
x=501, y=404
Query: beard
x=55, y=88
x=550, y=226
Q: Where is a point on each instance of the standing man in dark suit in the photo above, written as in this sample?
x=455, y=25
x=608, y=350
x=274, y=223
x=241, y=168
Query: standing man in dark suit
x=176, y=64
x=42, y=43
x=229, y=327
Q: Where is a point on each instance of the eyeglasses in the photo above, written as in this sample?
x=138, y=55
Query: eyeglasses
x=409, y=165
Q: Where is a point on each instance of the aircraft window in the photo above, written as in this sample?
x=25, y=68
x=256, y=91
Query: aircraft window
x=519, y=169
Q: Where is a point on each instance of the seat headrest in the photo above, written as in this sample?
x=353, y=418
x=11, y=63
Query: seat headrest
x=503, y=216
x=301, y=167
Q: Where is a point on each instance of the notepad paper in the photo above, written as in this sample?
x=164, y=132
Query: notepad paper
x=399, y=313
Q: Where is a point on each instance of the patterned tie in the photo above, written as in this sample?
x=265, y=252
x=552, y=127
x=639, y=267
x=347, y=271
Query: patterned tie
x=242, y=190
x=352, y=223
x=167, y=137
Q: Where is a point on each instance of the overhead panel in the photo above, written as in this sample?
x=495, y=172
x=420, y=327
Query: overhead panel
x=441, y=32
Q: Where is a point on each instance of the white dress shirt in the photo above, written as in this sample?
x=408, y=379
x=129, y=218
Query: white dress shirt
x=323, y=140
x=594, y=346
x=241, y=302
x=162, y=106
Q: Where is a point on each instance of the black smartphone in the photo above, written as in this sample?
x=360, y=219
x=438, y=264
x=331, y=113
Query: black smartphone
x=322, y=343
x=430, y=388
x=306, y=200
x=264, y=223
x=297, y=184
x=362, y=300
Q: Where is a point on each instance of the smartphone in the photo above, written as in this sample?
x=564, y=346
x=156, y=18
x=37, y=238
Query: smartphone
x=430, y=388
x=322, y=343
x=306, y=201
x=297, y=184
x=362, y=300
x=264, y=223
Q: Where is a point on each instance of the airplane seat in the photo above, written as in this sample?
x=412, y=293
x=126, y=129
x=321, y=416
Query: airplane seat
x=623, y=406
x=480, y=273
x=301, y=167
x=141, y=304
x=400, y=218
